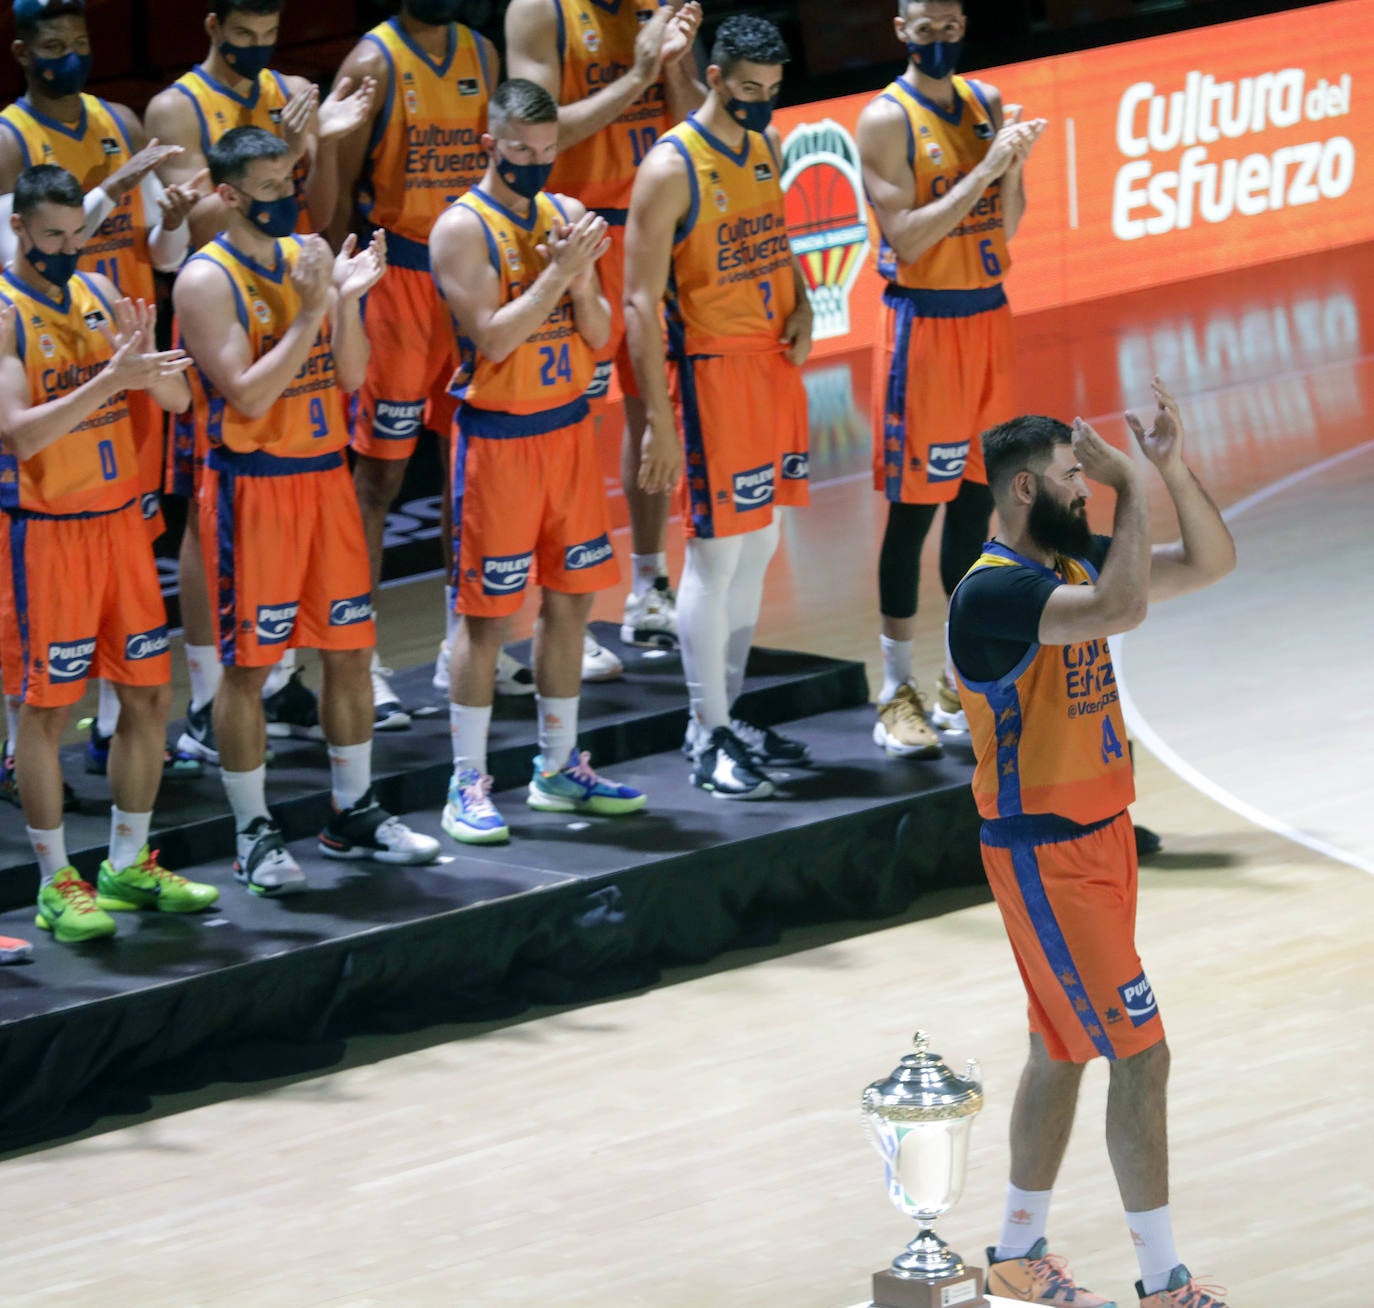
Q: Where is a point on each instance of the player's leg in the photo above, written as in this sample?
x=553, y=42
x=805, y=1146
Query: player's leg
x=469, y=815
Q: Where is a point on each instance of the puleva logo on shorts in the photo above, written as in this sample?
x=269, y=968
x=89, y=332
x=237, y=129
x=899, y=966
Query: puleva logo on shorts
x=275, y=622
x=350, y=612
x=796, y=467
x=70, y=661
x=394, y=421
x=947, y=462
x=588, y=554
x=754, y=489
x=1138, y=996
x=146, y=645
x=827, y=217
x=505, y=574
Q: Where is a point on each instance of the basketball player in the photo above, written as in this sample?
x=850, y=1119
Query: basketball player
x=707, y=214
x=1028, y=635
x=517, y=267
x=942, y=166
x=274, y=325
x=419, y=151
x=623, y=74
x=235, y=87
x=134, y=225
x=79, y=591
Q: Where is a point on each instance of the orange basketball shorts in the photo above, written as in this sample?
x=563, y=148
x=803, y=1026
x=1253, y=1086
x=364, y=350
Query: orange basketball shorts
x=414, y=355
x=150, y=425
x=1067, y=895
x=528, y=499
x=942, y=378
x=79, y=598
x=615, y=354
x=285, y=557
x=744, y=426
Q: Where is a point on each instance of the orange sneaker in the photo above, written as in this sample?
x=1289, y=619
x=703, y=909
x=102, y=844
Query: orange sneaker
x=1182, y=1292
x=1044, y=1278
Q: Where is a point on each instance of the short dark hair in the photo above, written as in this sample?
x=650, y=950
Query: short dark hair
x=223, y=8
x=747, y=39
x=519, y=100
x=30, y=15
x=231, y=155
x=46, y=184
x=1023, y=443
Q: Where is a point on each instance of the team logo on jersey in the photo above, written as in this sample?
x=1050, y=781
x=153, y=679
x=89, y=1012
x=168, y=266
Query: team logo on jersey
x=505, y=574
x=70, y=661
x=827, y=218
x=513, y=259
x=262, y=313
x=94, y=319
x=754, y=489
x=109, y=145
x=925, y=131
x=397, y=421
x=588, y=554
x=722, y=200
x=146, y=645
x=1138, y=998
x=592, y=40
x=350, y=612
x=947, y=462
x=763, y=172
x=796, y=466
x=276, y=622
x=47, y=345
x=469, y=86
x=937, y=155
x=412, y=101
x=983, y=131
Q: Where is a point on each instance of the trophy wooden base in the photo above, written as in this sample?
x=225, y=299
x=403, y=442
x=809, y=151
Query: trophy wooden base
x=963, y=1291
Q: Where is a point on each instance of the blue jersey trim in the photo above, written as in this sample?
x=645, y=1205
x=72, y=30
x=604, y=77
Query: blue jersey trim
x=690, y=221
x=259, y=463
x=1038, y=829
x=492, y=424
x=402, y=252
x=945, y=304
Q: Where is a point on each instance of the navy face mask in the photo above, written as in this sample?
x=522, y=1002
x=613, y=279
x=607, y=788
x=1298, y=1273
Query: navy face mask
x=247, y=60
x=64, y=76
x=752, y=115
x=526, y=180
x=57, y=268
x=938, y=59
x=274, y=218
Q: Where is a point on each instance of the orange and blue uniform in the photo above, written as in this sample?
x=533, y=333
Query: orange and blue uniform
x=731, y=289
x=943, y=375
x=1052, y=782
x=425, y=152
x=79, y=591
x=220, y=109
x=528, y=494
x=285, y=557
x=596, y=46
x=92, y=148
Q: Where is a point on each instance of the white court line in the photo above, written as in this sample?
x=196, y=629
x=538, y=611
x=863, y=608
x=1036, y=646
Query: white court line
x=1141, y=729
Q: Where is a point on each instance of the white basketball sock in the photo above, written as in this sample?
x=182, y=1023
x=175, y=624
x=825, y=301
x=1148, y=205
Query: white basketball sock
x=247, y=795
x=350, y=773
x=1152, y=1233
x=645, y=569
x=896, y=666
x=557, y=730
x=107, y=709
x=745, y=601
x=1023, y=1221
x=202, y=662
x=50, y=848
x=703, y=623
x=280, y=675
x=468, y=727
x=128, y=835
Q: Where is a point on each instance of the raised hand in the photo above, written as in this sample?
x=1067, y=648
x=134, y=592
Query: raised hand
x=681, y=33
x=313, y=275
x=346, y=108
x=123, y=180
x=1163, y=443
x=574, y=250
x=132, y=367
x=177, y=201
x=298, y=117
x=649, y=45
x=1013, y=142
x=1100, y=461
x=357, y=271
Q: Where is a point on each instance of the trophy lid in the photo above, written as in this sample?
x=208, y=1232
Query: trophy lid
x=922, y=1088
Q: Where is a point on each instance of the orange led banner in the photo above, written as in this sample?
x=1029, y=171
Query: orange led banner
x=1169, y=158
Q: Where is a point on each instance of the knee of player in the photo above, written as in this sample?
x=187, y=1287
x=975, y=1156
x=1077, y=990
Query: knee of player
x=378, y=481
x=1148, y=1067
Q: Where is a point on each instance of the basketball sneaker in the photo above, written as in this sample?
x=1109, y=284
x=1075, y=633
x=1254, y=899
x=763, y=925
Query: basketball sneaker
x=651, y=617
x=1040, y=1277
x=389, y=713
x=9, y=784
x=598, y=663
x=263, y=863
x=1182, y=1292
x=198, y=740
x=470, y=816
x=67, y=907
x=769, y=748
x=948, y=713
x=902, y=729
x=367, y=830
x=575, y=788
x=147, y=884
x=14, y=950
x=512, y=676
x=293, y=710
x=175, y=766
x=724, y=767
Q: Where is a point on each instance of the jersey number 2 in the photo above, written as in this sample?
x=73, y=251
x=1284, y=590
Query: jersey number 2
x=554, y=364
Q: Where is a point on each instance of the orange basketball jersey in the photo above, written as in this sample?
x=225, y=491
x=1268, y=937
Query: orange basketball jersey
x=219, y=109
x=596, y=44
x=555, y=366
x=308, y=419
x=943, y=147
x=731, y=288
x=426, y=147
x=93, y=469
x=92, y=148
x=1049, y=736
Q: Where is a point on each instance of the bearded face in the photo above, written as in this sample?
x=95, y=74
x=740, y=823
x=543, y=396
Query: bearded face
x=1058, y=527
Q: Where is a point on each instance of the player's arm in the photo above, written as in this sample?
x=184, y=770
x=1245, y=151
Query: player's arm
x=1119, y=599
x=169, y=238
x=683, y=89
x=796, y=331
x=365, y=63
x=660, y=201
x=208, y=314
x=355, y=273
x=532, y=49
x=591, y=309
x=136, y=321
x=1014, y=179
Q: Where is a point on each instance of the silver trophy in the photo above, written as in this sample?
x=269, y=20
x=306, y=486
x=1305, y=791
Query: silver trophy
x=919, y=1120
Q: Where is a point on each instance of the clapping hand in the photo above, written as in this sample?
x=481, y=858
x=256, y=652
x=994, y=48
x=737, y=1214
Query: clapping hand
x=1163, y=443
x=357, y=271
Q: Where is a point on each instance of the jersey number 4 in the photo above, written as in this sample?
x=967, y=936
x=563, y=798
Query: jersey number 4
x=1111, y=742
x=554, y=364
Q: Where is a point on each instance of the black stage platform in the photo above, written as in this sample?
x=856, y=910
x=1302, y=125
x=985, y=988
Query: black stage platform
x=573, y=909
